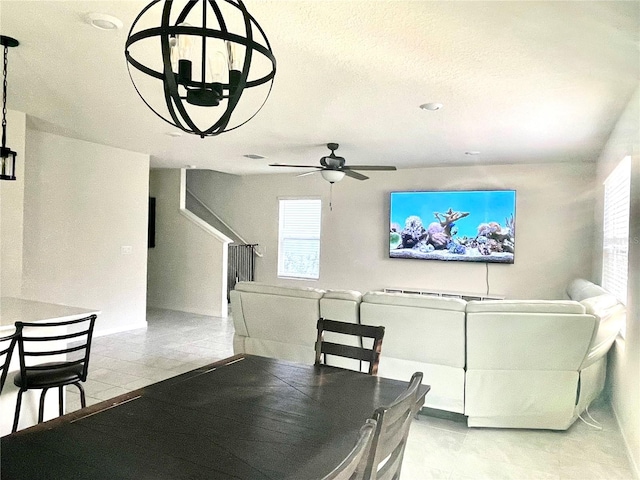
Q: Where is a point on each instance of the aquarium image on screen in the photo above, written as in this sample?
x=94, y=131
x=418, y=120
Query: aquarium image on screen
x=468, y=226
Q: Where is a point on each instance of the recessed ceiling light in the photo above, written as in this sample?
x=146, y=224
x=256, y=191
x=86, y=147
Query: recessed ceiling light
x=472, y=152
x=174, y=134
x=103, y=21
x=431, y=106
x=190, y=167
x=254, y=156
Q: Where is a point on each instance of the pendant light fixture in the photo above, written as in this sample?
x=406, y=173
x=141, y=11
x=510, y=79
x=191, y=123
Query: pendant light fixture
x=205, y=66
x=7, y=156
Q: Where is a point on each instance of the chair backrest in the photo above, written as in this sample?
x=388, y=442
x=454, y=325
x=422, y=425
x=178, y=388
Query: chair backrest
x=354, y=465
x=7, y=343
x=392, y=430
x=362, y=352
x=64, y=344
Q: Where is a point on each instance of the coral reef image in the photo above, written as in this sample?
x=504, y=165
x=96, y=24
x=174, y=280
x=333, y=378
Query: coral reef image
x=453, y=234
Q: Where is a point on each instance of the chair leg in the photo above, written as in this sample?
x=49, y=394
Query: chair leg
x=83, y=400
x=61, y=400
x=16, y=417
x=41, y=409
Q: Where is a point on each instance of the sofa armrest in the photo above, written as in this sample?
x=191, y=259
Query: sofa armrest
x=611, y=316
x=579, y=289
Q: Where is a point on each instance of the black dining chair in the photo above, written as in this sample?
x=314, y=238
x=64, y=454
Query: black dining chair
x=392, y=431
x=354, y=465
x=70, y=340
x=361, y=352
x=7, y=343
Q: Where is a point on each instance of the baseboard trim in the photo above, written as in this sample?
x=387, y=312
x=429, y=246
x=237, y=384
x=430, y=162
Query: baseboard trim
x=124, y=328
x=634, y=467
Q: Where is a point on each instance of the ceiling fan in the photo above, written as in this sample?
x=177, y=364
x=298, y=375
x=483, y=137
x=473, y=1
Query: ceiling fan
x=333, y=168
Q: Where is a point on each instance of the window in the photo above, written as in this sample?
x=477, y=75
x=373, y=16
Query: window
x=299, y=238
x=615, y=244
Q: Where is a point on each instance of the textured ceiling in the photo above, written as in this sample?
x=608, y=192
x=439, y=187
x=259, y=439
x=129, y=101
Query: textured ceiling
x=521, y=81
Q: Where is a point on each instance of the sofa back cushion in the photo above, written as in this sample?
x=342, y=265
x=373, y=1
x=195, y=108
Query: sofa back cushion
x=341, y=305
x=276, y=321
x=528, y=335
x=418, y=328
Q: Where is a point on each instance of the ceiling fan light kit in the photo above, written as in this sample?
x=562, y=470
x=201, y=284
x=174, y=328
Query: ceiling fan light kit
x=7, y=156
x=211, y=52
x=332, y=176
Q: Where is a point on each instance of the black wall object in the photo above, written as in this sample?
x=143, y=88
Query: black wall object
x=151, y=231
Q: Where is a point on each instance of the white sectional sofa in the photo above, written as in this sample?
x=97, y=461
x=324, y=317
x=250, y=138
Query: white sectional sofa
x=502, y=363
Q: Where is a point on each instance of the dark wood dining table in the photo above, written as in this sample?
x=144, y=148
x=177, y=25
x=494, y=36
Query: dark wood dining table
x=245, y=417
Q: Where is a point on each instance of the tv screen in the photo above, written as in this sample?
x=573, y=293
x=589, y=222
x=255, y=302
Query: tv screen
x=466, y=226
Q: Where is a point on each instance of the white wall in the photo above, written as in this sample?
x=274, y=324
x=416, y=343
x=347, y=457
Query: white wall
x=624, y=359
x=187, y=266
x=82, y=203
x=554, y=226
x=11, y=211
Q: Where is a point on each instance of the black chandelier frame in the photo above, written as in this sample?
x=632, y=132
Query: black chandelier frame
x=238, y=80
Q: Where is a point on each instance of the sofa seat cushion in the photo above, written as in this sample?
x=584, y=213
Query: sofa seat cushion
x=526, y=306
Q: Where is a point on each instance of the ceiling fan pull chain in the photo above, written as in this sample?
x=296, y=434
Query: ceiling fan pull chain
x=331, y=197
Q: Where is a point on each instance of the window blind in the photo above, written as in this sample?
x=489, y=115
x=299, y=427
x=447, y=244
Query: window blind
x=299, y=238
x=615, y=243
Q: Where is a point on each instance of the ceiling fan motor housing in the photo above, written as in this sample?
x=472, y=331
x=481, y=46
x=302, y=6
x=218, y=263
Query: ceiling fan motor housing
x=332, y=161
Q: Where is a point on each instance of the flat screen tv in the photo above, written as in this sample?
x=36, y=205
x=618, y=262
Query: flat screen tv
x=461, y=225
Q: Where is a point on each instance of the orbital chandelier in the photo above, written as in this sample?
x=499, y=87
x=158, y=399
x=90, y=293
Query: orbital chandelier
x=7, y=156
x=203, y=66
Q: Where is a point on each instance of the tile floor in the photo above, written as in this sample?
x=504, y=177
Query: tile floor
x=176, y=342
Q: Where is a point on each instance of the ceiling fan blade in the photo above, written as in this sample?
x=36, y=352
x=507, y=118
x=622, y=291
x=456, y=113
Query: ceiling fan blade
x=370, y=167
x=356, y=175
x=294, y=166
x=307, y=173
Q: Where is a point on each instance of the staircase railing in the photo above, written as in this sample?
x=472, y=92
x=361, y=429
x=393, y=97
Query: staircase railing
x=242, y=264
